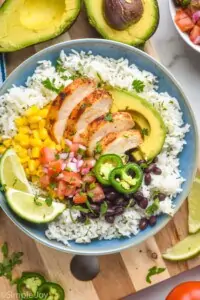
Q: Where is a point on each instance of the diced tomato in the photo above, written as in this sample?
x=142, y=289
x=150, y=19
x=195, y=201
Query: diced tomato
x=189, y=12
x=45, y=181
x=181, y=14
x=89, y=178
x=72, y=178
x=97, y=193
x=55, y=167
x=74, y=147
x=46, y=155
x=80, y=198
x=185, y=24
x=198, y=23
x=62, y=188
x=70, y=191
x=194, y=34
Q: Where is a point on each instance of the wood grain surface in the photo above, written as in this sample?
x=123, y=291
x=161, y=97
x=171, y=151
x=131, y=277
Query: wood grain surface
x=121, y=274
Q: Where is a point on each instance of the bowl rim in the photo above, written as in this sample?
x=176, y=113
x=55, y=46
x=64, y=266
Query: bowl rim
x=183, y=35
x=184, y=193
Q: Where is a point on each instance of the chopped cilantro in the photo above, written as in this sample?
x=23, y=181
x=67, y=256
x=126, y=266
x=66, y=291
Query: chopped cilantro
x=50, y=85
x=87, y=221
x=67, y=149
x=53, y=185
x=89, y=206
x=153, y=207
x=104, y=208
x=98, y=149
x=49, y=200
x=108, y=117
x=36, y=201
x=92, y=186
x=90, y=194
x=138, y=85
x=153, y=271
x=80, y=208
x=59, y=66
x=144, y=131
x=81, y=151
x=57, y=156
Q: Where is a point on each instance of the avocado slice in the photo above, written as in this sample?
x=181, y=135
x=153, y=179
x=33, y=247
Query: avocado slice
x=136, y=34
x=156, y=132
x=27, y=22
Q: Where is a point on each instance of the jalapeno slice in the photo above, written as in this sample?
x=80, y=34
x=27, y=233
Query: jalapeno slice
x=50, y=291
x=127, y=179
x=104, y=166
x=28, y=285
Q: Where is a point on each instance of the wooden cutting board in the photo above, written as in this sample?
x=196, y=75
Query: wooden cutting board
x=121, y=274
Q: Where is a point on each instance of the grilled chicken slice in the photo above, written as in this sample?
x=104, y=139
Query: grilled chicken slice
x=100, y=127
x=92, y=107
x=64, y=104
x=120, y=142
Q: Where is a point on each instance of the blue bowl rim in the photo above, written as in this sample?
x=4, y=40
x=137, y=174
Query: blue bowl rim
x=184, y=193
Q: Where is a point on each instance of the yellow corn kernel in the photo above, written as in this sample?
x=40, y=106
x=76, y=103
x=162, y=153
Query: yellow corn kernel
x=35, y=153
x=35, y=142
x=43, y=112
x=37, y=163
x=24, y=141
x=31, y=166
x=33, y=126
x=35, y=134
x=32, y=111
x=24, y=130
x=34, y=178
x=23, y=154
x=2, y=149
x=43, y=133
x=63, y=144
x=39, y=173
x=7, y=143
x=34, y=119
x=20, y=122
x=27, y=171
x=58, y=147
x=24, y=160
x=42, y=124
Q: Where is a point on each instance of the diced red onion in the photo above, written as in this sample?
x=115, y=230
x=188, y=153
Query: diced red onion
x=79, y=163
x=74, y=160
x=45, y=170
x=197, y=40
x=71, y=155
x=196, y=16
x=84, y=171
x=72, y=166
x=79, y=157
x=63, y=155
x=93, y=162
x=82, y=147
x=64, y=165
x=60, y=176
x=68, y=142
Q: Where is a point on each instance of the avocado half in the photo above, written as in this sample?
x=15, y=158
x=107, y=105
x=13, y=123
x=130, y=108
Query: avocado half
x=27, y=22
x=136, y=34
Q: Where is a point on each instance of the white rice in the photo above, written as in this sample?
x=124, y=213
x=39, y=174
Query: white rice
x=117, y=73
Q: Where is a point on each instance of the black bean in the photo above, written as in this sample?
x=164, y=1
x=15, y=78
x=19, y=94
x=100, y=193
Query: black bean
x=120, y=202
x=110, y=212
x=130, y=155
x=93, y=216
x=119, y=210
x=95, y=207
x=110, y=219
x=81, y=219
x=112, y=196
x=147, y=179
x=155, y=160
x=152, y=221
x=150, y=168
x=128, y=196
x=108, y=189
x=161, y=196
x=138, y=196
x=157, y=171
x=143, y=224
x=142, y=161
x=143, y=203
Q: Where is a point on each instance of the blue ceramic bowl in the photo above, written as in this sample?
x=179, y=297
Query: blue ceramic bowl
x=188, y=158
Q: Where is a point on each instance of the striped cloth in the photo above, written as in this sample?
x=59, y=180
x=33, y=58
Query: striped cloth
x=2, y=69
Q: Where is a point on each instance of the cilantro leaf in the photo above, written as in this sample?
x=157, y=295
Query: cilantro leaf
x=153, y=207
x=153, y=271
x=108, y=117
x=144, y=131
x=90, y=194
x=138, y=85
x=89, y=206
x=59, y=66
x=49, y=201
x=4, y=250
x=36, y=201
x=80, y=208
x=104, y=208
x=98, y=148
x=50, y=85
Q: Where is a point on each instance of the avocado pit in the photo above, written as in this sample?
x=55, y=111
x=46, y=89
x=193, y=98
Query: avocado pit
x=120, y=14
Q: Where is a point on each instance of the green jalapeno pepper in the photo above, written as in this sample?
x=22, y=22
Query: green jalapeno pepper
x=50, y=290
x=28, y=285
x=104, y=166
x=127, y=179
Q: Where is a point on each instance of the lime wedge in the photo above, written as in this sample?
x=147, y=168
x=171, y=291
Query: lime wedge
x=12, y=174
x=31, y=209
x=185, y=249
x=194, y=207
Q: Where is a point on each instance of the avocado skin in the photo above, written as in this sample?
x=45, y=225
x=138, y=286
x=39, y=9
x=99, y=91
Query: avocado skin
x=132, y=42
x=12, y=46
x=153, y=143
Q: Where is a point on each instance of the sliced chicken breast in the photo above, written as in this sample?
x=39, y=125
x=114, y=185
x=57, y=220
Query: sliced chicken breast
x=120, y=142
x=100, y=127
x=92, y=107
x=64, y=104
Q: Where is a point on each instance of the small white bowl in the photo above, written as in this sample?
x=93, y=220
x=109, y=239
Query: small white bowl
x=184, y=36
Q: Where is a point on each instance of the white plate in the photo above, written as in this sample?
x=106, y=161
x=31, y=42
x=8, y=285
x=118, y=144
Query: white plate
x=184, y=36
